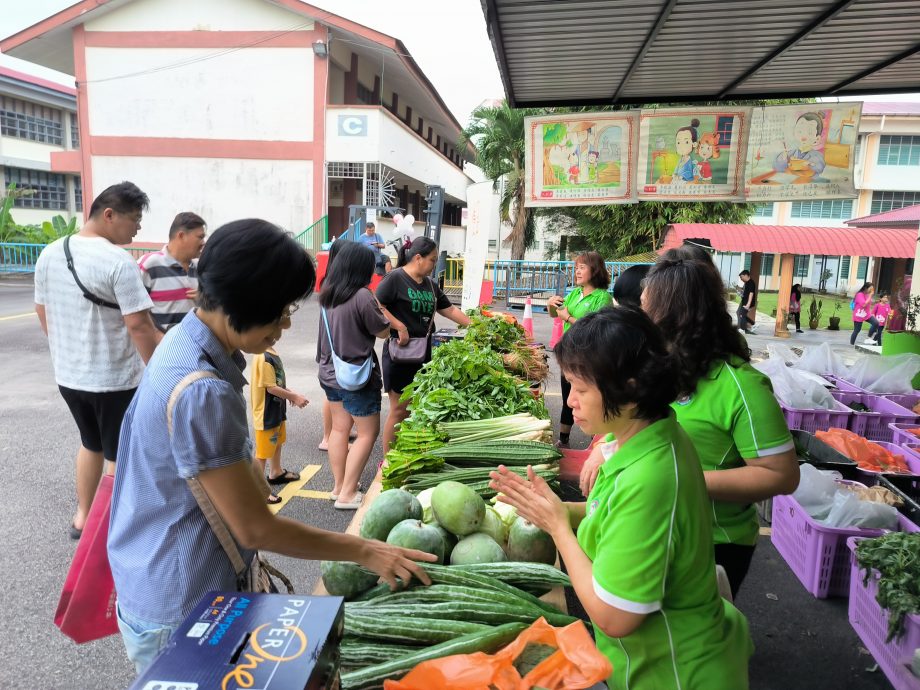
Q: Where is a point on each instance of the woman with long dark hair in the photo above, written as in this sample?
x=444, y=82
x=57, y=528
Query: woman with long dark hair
x=350, y=322
x=862, y=313
x=795, y=306
x=410, y=298
x=589, y=295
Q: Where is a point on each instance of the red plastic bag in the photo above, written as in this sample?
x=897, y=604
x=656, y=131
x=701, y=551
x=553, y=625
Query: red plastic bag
x=575, y=664
x=86, y=610
x=558, y=332
x=867, y=455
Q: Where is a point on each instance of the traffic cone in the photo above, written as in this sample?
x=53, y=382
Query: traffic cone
x=528, y=317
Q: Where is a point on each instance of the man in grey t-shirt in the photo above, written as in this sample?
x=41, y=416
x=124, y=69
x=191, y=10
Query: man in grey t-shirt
x=94, y=309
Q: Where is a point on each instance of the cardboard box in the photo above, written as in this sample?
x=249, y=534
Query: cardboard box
x=237, y=640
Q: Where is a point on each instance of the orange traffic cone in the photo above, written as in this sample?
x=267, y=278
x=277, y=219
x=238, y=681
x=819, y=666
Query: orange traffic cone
x=528, y=317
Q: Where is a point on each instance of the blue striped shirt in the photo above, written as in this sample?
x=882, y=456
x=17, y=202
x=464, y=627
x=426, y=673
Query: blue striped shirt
x=163, y=554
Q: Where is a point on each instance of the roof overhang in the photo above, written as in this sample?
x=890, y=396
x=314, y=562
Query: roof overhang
x=601, y=52
x=907, y=217
x=891, y=243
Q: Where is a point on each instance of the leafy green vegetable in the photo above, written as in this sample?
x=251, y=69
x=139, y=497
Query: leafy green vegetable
x=896, y=556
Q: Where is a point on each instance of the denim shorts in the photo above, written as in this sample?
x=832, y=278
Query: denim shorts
x=360, y=403
x=143, y=640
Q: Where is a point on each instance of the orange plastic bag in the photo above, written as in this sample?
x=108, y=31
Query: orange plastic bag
x=867, y=455
x=575, y=664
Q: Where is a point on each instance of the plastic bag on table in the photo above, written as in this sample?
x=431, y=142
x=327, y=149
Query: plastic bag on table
x=816, y=490
x=794, y=389
x=886, y=374
x=849, y=511
x=820, y=359
x=783, y=353
x=867, y=455
x=576, y=663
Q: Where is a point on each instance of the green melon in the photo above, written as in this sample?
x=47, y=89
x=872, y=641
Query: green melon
x=477, y=548
x=346, y=579
x=457, y=508
x=493, y=526
x=415, y=534
x=390, y=508
x=450, y=541
x=527, y=542
x=424, y=497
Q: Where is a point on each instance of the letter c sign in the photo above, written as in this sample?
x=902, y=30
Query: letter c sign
x=352, y=125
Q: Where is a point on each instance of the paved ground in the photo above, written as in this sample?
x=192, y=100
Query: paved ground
x=802, y=644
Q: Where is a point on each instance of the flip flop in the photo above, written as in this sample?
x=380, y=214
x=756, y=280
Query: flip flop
x=273, y=500
x=285, y=477
x=335, y=497
x=73, y=532
x=353, y=504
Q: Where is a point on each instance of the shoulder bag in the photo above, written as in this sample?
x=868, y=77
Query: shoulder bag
x=257, y=575
x=350, y=377
x=86, y=293
x=415, y=350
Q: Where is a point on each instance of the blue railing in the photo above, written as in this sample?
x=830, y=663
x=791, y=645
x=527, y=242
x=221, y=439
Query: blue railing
x=541, y=278
x=18, y=257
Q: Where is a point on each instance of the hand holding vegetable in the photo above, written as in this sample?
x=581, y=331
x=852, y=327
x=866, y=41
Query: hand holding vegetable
x=532, y=498
x=391, y=562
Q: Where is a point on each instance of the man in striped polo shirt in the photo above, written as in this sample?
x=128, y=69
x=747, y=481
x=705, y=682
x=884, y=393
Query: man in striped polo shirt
x=170, y=275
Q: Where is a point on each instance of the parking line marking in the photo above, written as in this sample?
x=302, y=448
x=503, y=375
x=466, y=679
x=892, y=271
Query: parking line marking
x=17, y=316
x=766, y=531
x=292, y=489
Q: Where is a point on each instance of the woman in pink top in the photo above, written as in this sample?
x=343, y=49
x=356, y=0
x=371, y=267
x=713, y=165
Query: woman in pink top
x=862, y=311
x=880, y=312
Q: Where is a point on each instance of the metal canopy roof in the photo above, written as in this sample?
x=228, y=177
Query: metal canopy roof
x=593, y=52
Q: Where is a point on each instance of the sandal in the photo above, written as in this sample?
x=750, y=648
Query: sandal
x=73, y=532
x=273, y=499
x=285, y=477
x=335, y=497
x=353, y=504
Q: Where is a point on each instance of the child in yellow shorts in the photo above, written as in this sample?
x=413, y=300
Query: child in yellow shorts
x=270, y=396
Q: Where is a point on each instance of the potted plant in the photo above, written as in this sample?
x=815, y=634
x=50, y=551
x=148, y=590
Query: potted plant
x=814, y=313
x=903, y=332
x=834, y=320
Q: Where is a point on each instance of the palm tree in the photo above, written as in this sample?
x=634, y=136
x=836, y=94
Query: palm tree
x=497, y=132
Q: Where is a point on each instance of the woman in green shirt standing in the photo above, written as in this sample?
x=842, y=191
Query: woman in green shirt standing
x=590, y=295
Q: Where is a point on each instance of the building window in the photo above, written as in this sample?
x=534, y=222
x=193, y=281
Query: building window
x=365, y=95
x=844, y=268
x=840, y=209
x=763, y=210
x=766, y=265
x=26, y=120
x=74, y=131
x=898, y=150
x=48, y=189
x=857, y=150
x=493, y=245
x=78, y=192
x=747, y=262
x=862, y=268
x=890, y=201
x=800, y=266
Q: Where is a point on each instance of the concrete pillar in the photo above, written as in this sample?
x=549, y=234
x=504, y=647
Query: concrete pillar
x=376, y=90
x=394, y=107
x=781, y=330
x=351, y=82
x=421, y=126
x=430, y=134
x=408, y=118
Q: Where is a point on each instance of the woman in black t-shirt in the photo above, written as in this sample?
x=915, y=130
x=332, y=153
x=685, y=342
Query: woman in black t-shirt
x=410, y=298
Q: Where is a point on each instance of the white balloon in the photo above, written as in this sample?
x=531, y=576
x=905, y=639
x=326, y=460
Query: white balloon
x=410, y=219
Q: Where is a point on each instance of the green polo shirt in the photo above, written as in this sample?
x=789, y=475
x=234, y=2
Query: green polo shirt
x=649, y=538
x=733, y=415
x=578, y=304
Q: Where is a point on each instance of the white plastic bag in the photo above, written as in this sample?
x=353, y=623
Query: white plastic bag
x=886, y=374
x=820, y=359
x=802, y=392
x=848, y=511
x=816, y=490
x=782, y=352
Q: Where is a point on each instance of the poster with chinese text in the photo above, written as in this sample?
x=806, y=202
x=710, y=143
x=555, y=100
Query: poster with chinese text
x=692, y=154
x=580, y=159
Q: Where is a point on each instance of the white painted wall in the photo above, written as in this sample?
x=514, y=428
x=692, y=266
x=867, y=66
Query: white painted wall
x=199, y=15
x=37, y=216
x=24, y=149
x=896, y=178
x=253, y=94
x=220, y=190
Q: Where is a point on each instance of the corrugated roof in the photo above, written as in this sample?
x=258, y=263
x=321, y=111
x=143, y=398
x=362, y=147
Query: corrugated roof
x=891, y=243
x=908, y=216
x=891, y=108
x=590, y=52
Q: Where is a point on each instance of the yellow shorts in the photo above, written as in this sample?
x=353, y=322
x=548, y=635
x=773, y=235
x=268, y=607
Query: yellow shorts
x=269, y=440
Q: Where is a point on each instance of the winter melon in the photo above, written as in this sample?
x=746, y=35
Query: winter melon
x=390, y=508
x=415, y=534
x=457, y=508
x=529, y=543
x=493, y=526
x=450, y=541
x=477, y=548
x=346, y=579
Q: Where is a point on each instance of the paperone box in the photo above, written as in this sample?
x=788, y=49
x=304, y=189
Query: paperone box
x=248, y=641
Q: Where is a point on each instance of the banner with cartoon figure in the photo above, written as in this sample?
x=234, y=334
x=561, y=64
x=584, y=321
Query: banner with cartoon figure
x=692, y=154
x=580, y=159
x=800, y=152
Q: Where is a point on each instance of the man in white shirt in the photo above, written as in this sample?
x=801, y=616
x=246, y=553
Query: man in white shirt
x=92, y=305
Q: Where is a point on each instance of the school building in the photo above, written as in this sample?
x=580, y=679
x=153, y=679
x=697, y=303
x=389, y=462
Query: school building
x=241, y=108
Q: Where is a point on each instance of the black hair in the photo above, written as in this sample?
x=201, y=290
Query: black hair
x=880, y=295
x=696, y=252
x=184, y=222
x=421, y=246
x=745, y=272
x=797, y=291
x=371, y=225
x=865, y=287
x=694, y=123
x=353, y=270
x=817, y=119
x=686, y=298
x=334, y=250
x=600, y=276
x=636, y=367
x=252, y=270
x=627, y=289
x=124, y=197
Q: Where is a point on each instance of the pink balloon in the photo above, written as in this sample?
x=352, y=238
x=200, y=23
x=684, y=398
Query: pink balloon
x=397, y=218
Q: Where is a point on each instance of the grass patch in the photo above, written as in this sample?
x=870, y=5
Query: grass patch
x=766, y=303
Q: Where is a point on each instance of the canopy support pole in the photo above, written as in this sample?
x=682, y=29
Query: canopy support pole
x=781, y=330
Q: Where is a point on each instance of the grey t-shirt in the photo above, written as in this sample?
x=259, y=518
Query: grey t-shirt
x=353, y=326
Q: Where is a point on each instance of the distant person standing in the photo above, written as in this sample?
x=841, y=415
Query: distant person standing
x=372, y=239
x=748, y=302
x=795, y=306
x=171, y=274
x=92, y=305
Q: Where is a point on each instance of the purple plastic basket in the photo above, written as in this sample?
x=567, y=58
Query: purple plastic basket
x=816, y=553
x=909, y=401
x=845, y=386
x=870, y=621
x=816, y=420
x=874, y=425
x=901, y=436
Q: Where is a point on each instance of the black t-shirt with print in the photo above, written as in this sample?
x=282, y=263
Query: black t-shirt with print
x=412, y=303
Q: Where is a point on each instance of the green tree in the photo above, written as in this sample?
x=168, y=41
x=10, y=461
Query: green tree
x=497, y=132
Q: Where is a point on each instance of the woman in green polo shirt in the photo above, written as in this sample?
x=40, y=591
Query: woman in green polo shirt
x=642, y=562
x=589, y=295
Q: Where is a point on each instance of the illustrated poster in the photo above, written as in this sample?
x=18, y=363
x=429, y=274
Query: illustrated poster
x=580, y=159
x=692, y=154
x=801, y=152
